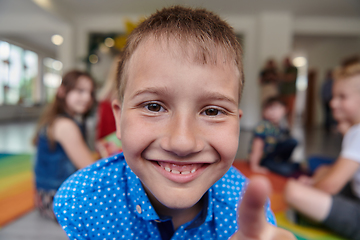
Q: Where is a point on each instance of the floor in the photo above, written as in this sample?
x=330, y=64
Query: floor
x=16, y=138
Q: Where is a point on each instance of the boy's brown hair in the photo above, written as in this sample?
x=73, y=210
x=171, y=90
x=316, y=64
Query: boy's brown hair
x=198, y=29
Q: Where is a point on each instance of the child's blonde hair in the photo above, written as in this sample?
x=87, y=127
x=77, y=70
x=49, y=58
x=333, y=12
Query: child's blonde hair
x=198, y=29
x=108, y=91
x=348, y=69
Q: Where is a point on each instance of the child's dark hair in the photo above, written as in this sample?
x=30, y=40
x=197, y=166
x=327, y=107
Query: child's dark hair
x=271, y=101
x=58, y=105
x=197, y=31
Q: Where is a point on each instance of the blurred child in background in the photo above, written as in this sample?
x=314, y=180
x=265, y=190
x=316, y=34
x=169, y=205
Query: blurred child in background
x=326, y=95
x=332, y=196
x=269, y=80
x=106, y=121
x=287, y=88
x=272, y=146
x=60, y=138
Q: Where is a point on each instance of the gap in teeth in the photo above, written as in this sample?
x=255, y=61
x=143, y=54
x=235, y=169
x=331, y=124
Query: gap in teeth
x=176, y=171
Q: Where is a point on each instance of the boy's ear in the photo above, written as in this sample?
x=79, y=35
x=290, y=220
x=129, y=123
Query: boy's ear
x=116, y=107
x=240, y=113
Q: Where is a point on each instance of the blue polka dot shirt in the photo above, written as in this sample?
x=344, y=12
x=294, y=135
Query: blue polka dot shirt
x=107, y=201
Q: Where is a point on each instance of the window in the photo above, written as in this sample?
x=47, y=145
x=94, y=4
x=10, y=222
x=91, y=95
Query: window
x=4, y=69
x=18, y=75
x=20, y=80
x=52, y=77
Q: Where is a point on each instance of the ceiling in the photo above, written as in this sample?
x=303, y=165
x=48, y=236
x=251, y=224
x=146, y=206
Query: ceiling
x=345, y=8
x=68, y=10
x=298, y=7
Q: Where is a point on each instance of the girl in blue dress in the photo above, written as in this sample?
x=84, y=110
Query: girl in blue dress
x=60, y=138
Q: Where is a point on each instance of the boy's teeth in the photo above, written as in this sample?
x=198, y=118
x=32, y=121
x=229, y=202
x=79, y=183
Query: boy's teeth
x=177, y=169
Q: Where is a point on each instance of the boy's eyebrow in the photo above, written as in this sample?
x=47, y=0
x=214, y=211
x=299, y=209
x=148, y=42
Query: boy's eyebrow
x=207, y=95
x=153, y=90
x=220, y=97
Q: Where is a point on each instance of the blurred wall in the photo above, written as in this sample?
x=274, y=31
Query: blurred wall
x=324, y=53
x=266, y=34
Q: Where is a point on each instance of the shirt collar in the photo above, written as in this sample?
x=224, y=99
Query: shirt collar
x=137, y=197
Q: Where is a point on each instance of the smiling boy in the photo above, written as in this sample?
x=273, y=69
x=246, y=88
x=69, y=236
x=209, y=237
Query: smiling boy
x=178, y=116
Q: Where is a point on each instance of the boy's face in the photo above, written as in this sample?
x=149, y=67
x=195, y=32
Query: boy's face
x=346, y=100
x=178, y=122
x=274, y=113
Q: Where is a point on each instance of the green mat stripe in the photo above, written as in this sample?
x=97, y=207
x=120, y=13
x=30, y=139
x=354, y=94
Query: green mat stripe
x=15, y=164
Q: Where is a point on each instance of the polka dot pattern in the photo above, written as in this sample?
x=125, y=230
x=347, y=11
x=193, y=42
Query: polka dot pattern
x=107, y=201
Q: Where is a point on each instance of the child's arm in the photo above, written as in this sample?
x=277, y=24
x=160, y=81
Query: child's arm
x=68, y=134
x=256, y=154
x=251, y=215
x=337, y=176
x=318, y=175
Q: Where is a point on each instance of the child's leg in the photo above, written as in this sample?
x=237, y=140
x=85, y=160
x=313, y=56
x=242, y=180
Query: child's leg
x=337, y=213
x=44, y=203
x=277, y=161
x=344, y=217
x=283, y=150
x=286, y=169
x=309, y=201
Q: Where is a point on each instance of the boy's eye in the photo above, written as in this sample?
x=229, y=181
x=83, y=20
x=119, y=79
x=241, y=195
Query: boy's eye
x=153, y=107
x=212, y=112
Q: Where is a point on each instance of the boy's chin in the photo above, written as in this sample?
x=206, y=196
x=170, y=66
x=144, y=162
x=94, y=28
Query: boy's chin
x=181, y=203
x=176, y=201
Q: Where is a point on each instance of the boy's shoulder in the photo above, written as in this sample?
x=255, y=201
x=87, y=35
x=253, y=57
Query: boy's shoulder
x=230, y=187
x=229, y=190
x=104, y=173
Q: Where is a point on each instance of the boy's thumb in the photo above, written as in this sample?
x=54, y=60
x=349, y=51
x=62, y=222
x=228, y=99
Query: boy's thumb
x=251, y=214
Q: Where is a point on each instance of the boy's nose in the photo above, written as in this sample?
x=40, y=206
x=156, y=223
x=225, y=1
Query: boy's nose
x=183, y=137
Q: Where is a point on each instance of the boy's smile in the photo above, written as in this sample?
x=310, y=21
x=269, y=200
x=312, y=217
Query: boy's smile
x=178, y=122
x=180, y=172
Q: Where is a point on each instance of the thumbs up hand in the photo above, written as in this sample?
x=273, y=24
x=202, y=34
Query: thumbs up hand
x=251, y=215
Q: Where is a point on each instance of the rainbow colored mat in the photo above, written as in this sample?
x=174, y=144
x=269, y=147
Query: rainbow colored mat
x=17, y=195
x=279, y=207
x=16, y=186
